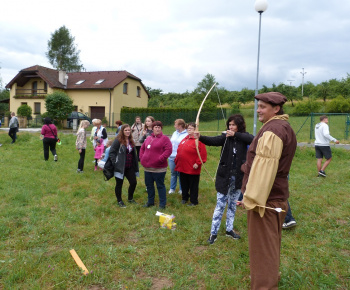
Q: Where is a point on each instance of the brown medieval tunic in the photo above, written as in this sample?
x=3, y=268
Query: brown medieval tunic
x=265, y=183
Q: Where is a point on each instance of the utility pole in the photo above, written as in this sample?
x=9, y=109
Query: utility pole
x=302, y=83
x=290, y=82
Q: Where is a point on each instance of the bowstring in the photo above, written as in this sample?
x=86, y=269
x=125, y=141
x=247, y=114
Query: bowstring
x=223, y=117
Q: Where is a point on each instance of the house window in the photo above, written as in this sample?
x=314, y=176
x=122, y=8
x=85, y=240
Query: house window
x=125, y=88
x=80, y=82
x=37, y=108
x=45, y=87
x=99, y=82
x=35, y=88
x=24, y=103
x=75, y=108
x=138, y=92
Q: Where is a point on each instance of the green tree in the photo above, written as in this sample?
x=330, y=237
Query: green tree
x=58, y=105
x=62, y=52
x=322, y=90
x=4, y=94
x=24, y=111
x=205, y=84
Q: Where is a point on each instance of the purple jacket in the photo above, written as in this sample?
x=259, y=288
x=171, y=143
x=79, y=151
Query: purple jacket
x=155, y=151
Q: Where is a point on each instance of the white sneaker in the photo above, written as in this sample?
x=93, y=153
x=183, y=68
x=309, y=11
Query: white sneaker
x=171, y=191
x=55, y=157
x=180, y=191
x=288, y=225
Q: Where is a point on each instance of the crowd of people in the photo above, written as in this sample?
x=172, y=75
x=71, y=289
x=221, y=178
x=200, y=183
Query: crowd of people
x=252, y=172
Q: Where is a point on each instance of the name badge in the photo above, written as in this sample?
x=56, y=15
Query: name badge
x=148, y=146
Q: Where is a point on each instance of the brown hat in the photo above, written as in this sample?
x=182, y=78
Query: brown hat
x=273, y=98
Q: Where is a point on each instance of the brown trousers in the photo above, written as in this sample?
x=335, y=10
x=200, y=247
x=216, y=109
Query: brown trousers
x=264, y=236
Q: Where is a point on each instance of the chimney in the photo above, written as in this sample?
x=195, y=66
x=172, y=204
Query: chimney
x=63, y=77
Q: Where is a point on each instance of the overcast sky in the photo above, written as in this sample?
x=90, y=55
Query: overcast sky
x=173, y=44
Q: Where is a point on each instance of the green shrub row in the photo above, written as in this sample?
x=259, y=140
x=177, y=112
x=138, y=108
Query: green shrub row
x=169, y=115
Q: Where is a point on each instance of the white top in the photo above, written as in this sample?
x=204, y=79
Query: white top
x=322, y=136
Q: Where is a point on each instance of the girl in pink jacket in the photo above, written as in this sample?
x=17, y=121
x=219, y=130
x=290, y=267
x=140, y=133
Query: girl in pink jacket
x=98, y=151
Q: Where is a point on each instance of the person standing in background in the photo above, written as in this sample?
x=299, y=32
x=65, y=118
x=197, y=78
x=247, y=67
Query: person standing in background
x=13, y=125
x=136, y=130
x=322, y=148
x=49, y=132
x=80, y=144
x=176, y=138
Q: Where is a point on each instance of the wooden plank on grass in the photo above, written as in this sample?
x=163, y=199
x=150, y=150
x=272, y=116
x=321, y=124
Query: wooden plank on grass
x=78, y=261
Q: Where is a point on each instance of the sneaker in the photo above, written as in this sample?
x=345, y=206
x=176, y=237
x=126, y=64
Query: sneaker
x=212, y=239
x=180, y=192
x=121, y=204
x=183, y=201
x=322, y=173
x=132, y=201
x=233, y=235
x=171, y=191
x=80, y=171
x=289, y=225
x=148, y=205
x=55, y=158
x=161, y=206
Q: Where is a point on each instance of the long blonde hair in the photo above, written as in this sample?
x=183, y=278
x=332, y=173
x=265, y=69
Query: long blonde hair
x=81, y=126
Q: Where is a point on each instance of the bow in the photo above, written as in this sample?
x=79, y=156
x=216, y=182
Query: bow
x=197, y=127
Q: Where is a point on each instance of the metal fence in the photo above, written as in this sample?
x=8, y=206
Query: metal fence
x=338, y=124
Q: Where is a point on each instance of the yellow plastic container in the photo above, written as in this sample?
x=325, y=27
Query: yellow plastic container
x=167, y=221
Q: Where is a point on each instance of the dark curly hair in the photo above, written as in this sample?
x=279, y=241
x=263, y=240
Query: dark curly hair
x=239, y=121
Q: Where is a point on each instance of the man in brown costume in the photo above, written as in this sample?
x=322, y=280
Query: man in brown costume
x=265, y=184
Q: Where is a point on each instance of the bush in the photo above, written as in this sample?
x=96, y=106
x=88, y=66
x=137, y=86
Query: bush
x=104, y=120
x=24, y=111
x=338, y=105
x=306, y=108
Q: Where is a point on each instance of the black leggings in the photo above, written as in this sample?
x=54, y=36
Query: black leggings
x=81, y=160
x=49, y=144
x=129, y=173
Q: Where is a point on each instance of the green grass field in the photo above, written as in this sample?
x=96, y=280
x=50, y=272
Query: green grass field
x=47, y=209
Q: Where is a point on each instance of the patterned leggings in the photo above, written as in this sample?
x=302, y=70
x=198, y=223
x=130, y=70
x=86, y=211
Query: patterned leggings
x=230, y=198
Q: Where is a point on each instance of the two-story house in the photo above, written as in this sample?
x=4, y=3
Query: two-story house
x=98, y=94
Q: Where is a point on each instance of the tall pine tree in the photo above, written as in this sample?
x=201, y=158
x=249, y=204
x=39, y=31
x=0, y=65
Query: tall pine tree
x=62, y=52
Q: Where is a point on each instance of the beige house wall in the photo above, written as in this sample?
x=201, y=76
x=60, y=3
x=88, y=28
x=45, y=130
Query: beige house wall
x=85, y=99
x=130, y=99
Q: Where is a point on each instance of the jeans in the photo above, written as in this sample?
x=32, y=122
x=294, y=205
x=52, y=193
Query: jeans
x=230, y=199
x=49, y=144
x=158, y=178
x=174, y=175
x=81, y=160
x=13, y=134
x=289, y=216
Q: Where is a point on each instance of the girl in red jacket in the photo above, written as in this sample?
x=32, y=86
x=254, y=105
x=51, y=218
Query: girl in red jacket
x=189, y=165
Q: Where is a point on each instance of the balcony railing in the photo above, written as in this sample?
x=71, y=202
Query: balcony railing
x=30, y=93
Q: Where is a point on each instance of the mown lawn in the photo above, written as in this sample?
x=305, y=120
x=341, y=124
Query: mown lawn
x=47, y=209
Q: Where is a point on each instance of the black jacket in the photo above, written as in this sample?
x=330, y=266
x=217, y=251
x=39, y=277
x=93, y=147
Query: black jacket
x=117, y=154
x=225, y=170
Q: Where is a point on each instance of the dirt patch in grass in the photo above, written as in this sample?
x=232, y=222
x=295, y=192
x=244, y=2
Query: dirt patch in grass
x=96, y=287
x=161, y=283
